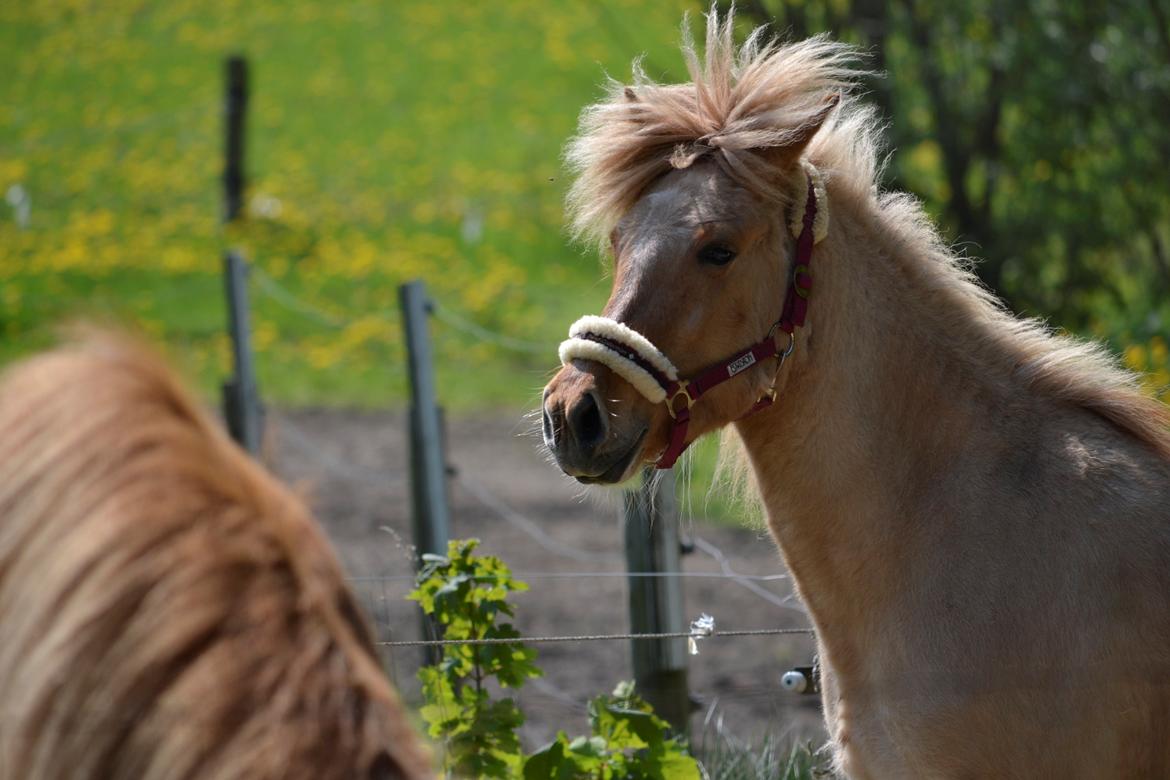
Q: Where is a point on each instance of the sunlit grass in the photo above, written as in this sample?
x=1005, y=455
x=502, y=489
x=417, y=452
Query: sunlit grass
x=385, y=142
x=725, y=757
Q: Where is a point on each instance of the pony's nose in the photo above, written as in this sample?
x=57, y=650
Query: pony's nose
x=587, y=423
x=575, y=427
x=551, y=421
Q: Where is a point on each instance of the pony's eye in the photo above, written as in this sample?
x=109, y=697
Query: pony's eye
x=716, y=254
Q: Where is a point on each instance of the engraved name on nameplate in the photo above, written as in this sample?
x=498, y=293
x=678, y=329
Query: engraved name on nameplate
x=746, y=361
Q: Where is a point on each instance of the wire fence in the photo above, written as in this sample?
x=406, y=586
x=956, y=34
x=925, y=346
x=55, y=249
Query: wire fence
x=279, y=293
x=343, y=470
x=598, y=637
x=580, y=575
x=785, y=602
x=473, y=329
x=285, y=297
x=346, y=471
x=355, y=473
x=524, y=523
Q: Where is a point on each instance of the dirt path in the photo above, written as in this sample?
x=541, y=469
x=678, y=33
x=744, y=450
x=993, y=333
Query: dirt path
x=354, y=466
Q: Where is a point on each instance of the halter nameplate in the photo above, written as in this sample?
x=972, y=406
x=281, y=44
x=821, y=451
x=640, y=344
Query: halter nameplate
x=745, y=362
x=635, y=359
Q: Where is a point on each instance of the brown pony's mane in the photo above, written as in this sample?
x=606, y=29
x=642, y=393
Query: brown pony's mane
x=741, y=103
x=169, y=609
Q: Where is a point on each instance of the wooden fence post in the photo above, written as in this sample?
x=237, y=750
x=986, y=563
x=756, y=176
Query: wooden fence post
x=241, y=396
x=235, y=110
x=652, y=546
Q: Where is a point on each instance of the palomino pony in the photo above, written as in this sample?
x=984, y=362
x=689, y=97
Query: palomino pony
x=167, y=608
x=976, y=511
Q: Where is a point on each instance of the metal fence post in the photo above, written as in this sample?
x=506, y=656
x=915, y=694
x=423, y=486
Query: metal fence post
x=241, y=396
x=235, y=110
x=428, y=464
x=656, y=606
x=430, y=517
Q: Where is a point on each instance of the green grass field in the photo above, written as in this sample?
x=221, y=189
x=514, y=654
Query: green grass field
x=385, y=142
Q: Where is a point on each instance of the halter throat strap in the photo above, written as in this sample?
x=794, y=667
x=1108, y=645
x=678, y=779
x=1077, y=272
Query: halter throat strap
x=634, y=358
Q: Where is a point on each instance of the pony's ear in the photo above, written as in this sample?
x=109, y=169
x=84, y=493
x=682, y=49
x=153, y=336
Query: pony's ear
x=786, y=156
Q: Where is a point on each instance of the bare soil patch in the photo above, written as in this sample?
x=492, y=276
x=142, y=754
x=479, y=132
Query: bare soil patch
x=354, y=466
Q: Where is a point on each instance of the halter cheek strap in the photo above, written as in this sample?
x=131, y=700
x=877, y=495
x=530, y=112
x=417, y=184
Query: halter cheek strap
x=635, y=359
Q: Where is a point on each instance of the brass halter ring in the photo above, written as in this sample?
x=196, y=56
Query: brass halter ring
x=791, y=341
x=682, y=390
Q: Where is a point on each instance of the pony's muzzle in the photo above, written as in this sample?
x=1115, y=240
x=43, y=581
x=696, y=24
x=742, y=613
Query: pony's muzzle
x=577, y=430
x=574, y=424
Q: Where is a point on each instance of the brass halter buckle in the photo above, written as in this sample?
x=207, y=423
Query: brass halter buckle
x=682, y=390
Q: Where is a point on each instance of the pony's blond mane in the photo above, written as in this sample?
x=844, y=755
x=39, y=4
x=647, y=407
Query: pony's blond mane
x=1057, y=366
x=168, y=609
x=741, y=103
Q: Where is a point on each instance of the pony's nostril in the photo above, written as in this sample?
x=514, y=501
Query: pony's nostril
x=549, y=429
x=586, y=422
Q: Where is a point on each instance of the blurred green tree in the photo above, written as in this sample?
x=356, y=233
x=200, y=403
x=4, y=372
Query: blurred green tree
x=1035, y=130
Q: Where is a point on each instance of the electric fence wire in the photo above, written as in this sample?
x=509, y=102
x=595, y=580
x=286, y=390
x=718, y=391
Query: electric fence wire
x=282, y=295
x=573, y=575
x=445, y=314
x=599, y=637
x=524, y=523
x=470, y=328
x=785, y=602
x=538, y=535
x=345, y=471
x=551, y=691
x=353, y=473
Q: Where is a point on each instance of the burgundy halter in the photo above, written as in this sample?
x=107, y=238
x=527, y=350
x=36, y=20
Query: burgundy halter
x=681, y=394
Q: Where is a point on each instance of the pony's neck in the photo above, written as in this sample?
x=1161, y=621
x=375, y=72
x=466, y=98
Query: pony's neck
x=885, y=390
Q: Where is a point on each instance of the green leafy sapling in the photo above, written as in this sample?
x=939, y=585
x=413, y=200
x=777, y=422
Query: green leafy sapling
x=628, y=741
x=466, y=595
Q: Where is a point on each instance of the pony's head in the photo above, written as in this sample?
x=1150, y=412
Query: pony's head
x=693, y=187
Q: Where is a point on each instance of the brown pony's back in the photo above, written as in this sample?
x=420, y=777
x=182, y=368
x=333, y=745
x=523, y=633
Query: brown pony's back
x=167, y=608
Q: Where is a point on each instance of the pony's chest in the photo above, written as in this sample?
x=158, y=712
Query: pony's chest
x=860, y=733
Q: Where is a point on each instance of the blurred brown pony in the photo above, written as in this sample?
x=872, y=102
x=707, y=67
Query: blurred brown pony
x=168, y=609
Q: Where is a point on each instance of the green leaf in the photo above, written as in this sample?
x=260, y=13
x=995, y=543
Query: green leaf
x=548, y=762
x=589, y=746
x=634, y=729
x=671, y=765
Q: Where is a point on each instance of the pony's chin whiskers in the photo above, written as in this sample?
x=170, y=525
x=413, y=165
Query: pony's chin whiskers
x=608, y=497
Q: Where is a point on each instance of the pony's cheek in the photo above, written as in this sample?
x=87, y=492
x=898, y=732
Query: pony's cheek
x=656, y=443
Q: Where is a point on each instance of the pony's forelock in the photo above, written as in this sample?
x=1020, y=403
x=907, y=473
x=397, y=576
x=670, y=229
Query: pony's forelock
x=740, y=102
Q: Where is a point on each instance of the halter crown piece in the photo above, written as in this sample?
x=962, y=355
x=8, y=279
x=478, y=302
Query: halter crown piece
x=635, y=359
